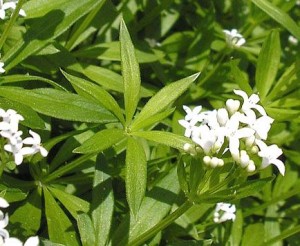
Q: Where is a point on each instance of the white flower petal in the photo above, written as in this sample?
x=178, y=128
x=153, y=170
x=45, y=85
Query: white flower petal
x=3, y=203
x=32, y=241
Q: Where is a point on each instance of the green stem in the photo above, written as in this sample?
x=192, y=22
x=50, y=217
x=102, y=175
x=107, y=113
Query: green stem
x=162, y=224
x=83, y=26
x=69, y=167
x=285, y=234
x=10, y=23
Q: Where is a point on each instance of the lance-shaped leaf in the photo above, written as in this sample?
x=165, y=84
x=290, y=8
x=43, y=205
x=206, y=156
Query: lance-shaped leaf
x=102, y=205
x=59, y=104
x=86, y=230
x=166, y=138
x=52, y=18
x=267, y=64
x=60, y=228
x=29, y=213
x=279, y=15
x=154, y=208
x=163, y=99
x=72, y=203
x=136, y=174
x=101, y=141
x=130, y=73
x=96, y=92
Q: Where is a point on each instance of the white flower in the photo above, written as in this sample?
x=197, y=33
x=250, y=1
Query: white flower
x=15, y=146
x=9, y=5
x=250, y=102
x=270, y=156
x=10, y=122
x=224, y=212
x=292, y=40
x=192, y=115
x=232, y=105
x=205, y=137
x=2, y=70
x=3, y=203
x=36, y=147
x=32, y=241
x=234, y=38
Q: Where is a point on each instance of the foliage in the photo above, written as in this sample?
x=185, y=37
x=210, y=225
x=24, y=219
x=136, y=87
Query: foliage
x=103, y=83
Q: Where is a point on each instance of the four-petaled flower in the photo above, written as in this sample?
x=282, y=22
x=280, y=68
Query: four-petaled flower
x=224, y=212
x=9, y=5
x=234, y=38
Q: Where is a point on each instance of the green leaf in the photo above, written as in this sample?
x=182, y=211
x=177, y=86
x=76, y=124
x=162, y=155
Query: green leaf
x=60, y=228
x=97, y=93
x=101, y=141
x=253, y=235
x=29, y=214
x=267, y=64
x=110, y=79
x=102, y=205
x=166, y=138
x=154, y=208
x=59, y=104
x=31, y=118
x=280, y=16
x=163, y=99
x=86, y=230
x=51, y=19
x=111, y=51
x=136, y=174
x=72, y=203
x=130, y=73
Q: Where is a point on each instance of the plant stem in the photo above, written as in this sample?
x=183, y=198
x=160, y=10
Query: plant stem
x=162, y=224
x=285, y=234
x=10, y=23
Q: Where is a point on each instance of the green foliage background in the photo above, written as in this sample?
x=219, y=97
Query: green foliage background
x=104, y=81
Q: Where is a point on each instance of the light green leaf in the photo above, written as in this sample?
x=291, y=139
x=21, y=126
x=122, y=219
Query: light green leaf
x=72, y=203
x=280, y=16
x=111, y=51
x=101, y=141
x=136, y=174
x=154, y=208
x=59, y=104
x=253, y=235
x=166, y=138
x=86, y=230
x=109, y=79
x=60, y=228
x=29, y=213
x=267, y=64
x=52, y=18
x=130, y=73
x=97, y=93
x=102, y=205
x=163, y=99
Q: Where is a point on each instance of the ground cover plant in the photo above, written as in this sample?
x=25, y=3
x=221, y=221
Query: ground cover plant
x=149, y=122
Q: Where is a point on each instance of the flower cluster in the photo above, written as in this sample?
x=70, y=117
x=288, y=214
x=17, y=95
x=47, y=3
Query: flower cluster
x=224, y=212
x=241, y=129
x=9, y=129
x=9, y=5
x=234, y=39
x=5, y=239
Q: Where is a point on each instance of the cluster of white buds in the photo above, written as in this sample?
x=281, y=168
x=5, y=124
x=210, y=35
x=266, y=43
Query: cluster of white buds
x=9, y=5
x=241, y=129
x=9, y=129
x=234, y=39
x=224, y=212
x=5, y=239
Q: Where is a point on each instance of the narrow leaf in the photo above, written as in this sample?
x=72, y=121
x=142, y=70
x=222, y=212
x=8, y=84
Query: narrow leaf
x=72, y=203
x=280, y=16
x=102, y=205
x=154, y=208
x=166, y=138
x=59, y=104
x=101, y=141
x=163, y=99
x=136, y=174
x=29, y=213
x=51, y=19
x=86, y=230
x=60, y=228
x=130, y=73
x=96, y=92
x=267, y=64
